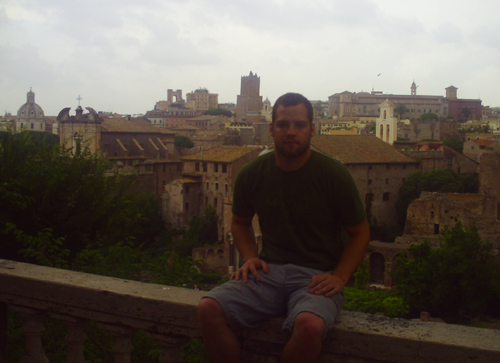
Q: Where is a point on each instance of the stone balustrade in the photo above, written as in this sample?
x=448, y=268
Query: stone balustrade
x=169, y=316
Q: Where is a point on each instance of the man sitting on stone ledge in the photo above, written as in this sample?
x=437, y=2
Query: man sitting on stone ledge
x=303, y=200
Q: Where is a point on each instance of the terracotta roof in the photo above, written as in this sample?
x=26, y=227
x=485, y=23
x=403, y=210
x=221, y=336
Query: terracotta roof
x=187, y=181
x=135, y=125
x=358, y=149
x=482, y=142
x=222, y=153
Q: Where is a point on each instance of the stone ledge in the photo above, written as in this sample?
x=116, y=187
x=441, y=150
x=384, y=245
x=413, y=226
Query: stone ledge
x=167, y=310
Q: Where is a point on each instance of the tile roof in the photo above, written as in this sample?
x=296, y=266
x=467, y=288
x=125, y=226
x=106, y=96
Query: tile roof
x=482, y=142
x=135, y=125
x=358, y=149
x=222, y=153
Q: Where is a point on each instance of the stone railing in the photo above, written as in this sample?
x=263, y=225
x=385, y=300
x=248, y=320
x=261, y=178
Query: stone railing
x=169, y=316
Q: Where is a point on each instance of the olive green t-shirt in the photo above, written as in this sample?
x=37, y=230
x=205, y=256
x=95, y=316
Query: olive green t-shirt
x=301, y=213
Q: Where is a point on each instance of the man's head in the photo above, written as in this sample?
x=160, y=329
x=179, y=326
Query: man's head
x=293, y=99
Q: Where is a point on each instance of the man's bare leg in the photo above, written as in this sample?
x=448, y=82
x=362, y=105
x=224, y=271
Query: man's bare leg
x=220, y=340
x=305, y=344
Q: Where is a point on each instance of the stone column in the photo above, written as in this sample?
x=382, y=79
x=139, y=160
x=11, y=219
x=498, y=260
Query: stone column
x=122, y=345
x=75, y=337
x=33, y=329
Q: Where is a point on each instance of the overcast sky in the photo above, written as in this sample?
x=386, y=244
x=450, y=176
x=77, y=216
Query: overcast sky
x=123, y=55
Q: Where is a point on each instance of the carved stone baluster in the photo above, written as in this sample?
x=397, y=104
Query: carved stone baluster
x=171, y=347
x=122, y=344
x=75, y=337
x=33, y=329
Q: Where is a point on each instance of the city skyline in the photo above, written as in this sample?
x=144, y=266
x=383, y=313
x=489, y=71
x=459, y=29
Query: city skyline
x=122, y=56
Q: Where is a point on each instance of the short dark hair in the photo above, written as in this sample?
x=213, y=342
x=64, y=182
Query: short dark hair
x=293, y=99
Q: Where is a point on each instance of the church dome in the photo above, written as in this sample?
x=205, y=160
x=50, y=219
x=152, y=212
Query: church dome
x=30, y=110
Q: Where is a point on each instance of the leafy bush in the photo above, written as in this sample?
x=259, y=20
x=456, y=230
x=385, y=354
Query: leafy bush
x=458, y=280
x=372, y=302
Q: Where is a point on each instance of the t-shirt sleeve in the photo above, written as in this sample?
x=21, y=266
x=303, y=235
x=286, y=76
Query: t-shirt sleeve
x=352, y=211
x=242, y=205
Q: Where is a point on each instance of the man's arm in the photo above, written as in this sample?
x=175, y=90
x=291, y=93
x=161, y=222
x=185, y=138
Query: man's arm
x=330, y=284
x=244, y=238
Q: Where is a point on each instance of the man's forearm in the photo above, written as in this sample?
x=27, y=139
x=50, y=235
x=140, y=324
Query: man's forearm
x=244, y=238
x=354, y=252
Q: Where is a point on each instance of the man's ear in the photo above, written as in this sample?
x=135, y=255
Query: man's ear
x=313, y=128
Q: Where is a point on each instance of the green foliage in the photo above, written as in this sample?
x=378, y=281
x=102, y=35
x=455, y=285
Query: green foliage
x=173, y=270
x=43, y=248
x=362, y=276
x=450, y=117
x=45, y=186
x=458, y=280
x=183, y=141
x=429, y=116
x=194, y=352
x=218, y=111
x=439, y=180
x=466, y=111
x=202, y=231
x=372, y=302
x=455, y=144
x=400, y=109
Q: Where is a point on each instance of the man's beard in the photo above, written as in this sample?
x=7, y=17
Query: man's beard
x=292, y=152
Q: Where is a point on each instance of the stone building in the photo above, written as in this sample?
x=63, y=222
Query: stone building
x=475, y=147
x=378, y=170
x=363, y=104
x=435, y=155
x=30, y=116
x=132, y=144
x=207, y=180
x=208, y=139
x=249, y=102
x=171, y=117
x=202, y=100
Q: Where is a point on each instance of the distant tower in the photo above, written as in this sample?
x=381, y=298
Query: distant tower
x=30, y=116
x=451, y=92
x=249, y=98
x=413, y=89
x=386, y=124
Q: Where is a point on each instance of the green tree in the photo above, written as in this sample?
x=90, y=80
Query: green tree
x=400, y=109
x=217, y=112
x=438, y=180
x=429, y=116
x=466, y=111
x=460, y=279
x=46, y=188
x=455, y=144
x=181, y=141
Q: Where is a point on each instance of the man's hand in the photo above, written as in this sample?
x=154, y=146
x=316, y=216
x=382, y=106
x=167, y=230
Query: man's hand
x=326, y=284
x=252, y=265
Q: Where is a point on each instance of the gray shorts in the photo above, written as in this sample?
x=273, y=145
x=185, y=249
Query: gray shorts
x=281, y=292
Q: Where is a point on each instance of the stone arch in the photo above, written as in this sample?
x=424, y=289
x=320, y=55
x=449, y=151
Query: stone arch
x=377, y=268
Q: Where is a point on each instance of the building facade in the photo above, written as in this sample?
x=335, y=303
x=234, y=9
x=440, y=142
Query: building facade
x=201, y=100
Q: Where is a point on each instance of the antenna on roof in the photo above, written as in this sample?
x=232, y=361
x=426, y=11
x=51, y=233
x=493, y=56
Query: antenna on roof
x=79, y=98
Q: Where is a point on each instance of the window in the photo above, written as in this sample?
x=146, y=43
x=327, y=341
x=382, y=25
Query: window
x=208, y=185
x=224, y=168
x=386, y=181
x=197, y=166
x=386, y=196
x=216, y=186
x=368, y=198
x=32, y=126
x=216, y=167
x=215, y=202
x=187, y=206
x=436, y=229
x=204, y=167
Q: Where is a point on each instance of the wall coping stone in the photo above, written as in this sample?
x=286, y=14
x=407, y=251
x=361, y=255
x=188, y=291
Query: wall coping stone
x=357, y=337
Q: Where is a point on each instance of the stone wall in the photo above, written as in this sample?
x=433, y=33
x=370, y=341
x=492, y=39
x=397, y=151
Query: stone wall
x=169, y=315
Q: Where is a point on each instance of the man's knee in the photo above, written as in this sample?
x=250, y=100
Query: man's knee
x=210, y=311
x=309, y=325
